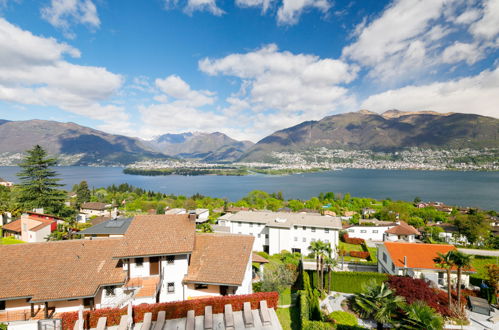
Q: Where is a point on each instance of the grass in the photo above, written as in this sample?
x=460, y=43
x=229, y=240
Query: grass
x=350, y=247
x=355, y=247
x=10, y=240
x=479, y=263
x=289, y=318
x=285, y=296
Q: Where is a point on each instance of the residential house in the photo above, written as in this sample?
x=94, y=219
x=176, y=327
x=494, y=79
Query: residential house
x=416, y=260
x=32, y=227
x=109, y=228
x=160, y=258
x=277, y=231
x=175, y=211
x=98, y=209
x=202, y=215
x=12, y=229
x=402, y=232
x=450, y=234
x=5, y=183
x=376, y=230
x=368, y=212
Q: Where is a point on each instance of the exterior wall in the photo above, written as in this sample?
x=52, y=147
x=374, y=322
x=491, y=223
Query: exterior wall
x=138, y=271
x=98, y=213
x=26, y=225
x=203, y=217
x=403, y=238
x=173, y=273
x=247, y=285
x=371, y=233
x=191, y=292
x=299, y=237
x=39, y=235
x=451, y=238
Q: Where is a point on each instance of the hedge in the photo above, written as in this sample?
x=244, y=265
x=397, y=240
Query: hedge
x=174, y=310
x=306, y=324
x=352, y=282
x=352, y=240
x=360, y=254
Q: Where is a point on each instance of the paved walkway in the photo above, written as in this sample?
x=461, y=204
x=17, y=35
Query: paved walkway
x=488, y=253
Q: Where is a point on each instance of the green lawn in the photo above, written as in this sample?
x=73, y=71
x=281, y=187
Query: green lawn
x=10, y=240
x=350, y=247
x=479, y=263
x=289, y=318
x=285, y=297
x=355, y=247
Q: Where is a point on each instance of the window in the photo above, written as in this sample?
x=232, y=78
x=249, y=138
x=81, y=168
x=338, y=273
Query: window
x=139, y=262
x=304, y=239
x=393, y=267
x=110, y=291
x=2, y=305
x=239, y=224
x=312, y=240
x=313, y=229
x=304, y=228
x=170, y=259
x=88, y=302
x=363, y=231
x=384, y=257
x=351, y=231
x=375, y=231
x=266, y=235
x=171, y=287
x=327, y=241
x=259, y=235
x=251, y=225
x=326, y=231
x=200, y=286
x=239, y=233
x=296, y=239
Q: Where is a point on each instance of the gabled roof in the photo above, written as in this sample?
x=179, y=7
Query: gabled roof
x=419, y=256
x=403, y=229
x=58, y=270
x=220, y=259
x=14, y=226
x=285, y=219
x=255, y=257
x=155, y=235
x=94, y=206
x=44, y=223
x=117, y=226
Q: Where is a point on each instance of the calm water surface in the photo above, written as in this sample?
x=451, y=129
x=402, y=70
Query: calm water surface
x=480, y=189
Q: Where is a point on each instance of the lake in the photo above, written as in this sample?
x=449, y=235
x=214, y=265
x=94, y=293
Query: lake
x=477, y=189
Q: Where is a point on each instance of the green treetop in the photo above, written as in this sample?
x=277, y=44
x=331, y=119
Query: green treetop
x=39, y=184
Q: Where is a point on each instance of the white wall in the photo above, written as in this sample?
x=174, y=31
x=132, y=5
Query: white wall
x=372, y=233
x=191, y=292
x=175, y=273
x=247, y=284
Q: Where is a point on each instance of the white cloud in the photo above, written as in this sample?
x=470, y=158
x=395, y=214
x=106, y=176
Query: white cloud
x=290, y=11
x=459, y=51
x=265, y=4
x=488, y=26
x=478, y=94
x=284, y=86
x=64, y=13
x=190, y=6
x=43, y=77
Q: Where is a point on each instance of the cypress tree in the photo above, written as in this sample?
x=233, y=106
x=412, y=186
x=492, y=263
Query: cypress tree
x=39, y=184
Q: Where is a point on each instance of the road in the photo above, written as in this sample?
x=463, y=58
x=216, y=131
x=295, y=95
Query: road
x=487, y=253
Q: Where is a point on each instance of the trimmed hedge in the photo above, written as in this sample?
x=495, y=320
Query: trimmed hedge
x=352, y=240
x=360, y=254
x=174, y=310
x=352, y=282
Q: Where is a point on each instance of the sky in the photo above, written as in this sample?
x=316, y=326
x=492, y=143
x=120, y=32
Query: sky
x=246, y=68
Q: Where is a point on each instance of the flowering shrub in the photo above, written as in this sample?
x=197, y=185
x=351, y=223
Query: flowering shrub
x=174, y=310
x=352, y=240
x=359, y=254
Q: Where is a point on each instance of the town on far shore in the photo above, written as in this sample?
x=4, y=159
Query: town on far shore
x=123, y=258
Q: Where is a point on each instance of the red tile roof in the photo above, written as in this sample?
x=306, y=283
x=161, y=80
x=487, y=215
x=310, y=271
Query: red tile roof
x=220, y=259
x=13, y=226
x=255, y=257
x=418, y=255
x=403, y=229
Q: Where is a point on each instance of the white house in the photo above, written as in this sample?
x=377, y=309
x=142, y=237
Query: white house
x=277, y=231
x=402, y=232
x=97, y=209
x=416, y=260
x=5, y=183
x=161, y=258
x=370, y=230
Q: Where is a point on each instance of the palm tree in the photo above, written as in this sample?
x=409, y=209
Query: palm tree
x=421, y=316
x=444, y=261
x=379, y=303
x=315, y=247
x=330, y=262
x=463, y=262
x=318, y=247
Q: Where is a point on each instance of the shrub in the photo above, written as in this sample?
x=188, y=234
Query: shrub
x=174, y=310
x=359, y=254
x=343, y=318
x=352, y=282
x=352, y=240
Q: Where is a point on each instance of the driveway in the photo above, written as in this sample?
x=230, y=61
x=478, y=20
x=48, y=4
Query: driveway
x=487, y=253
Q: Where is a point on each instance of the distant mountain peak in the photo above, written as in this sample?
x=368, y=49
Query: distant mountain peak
x=394, y=113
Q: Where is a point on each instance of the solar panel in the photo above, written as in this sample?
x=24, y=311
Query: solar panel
x=114, y=224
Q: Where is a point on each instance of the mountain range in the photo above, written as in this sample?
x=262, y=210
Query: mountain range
x=362, y=130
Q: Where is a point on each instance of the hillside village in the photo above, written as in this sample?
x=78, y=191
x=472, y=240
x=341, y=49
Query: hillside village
x=118, y=256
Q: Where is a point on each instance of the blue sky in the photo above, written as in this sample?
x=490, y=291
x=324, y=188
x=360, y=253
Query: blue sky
x=243, y=67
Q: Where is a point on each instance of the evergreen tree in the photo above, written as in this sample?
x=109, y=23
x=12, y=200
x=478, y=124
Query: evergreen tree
x=39, y=184
x=82, y=194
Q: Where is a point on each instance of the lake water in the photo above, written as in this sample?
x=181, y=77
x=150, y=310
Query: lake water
x=478, y=189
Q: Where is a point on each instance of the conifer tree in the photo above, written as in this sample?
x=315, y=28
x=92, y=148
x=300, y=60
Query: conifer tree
x=82, y=194
x=39, y=184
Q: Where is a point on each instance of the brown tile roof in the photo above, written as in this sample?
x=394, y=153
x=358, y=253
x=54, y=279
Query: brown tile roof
x=220, y=259
x=147, y=286
x=418, y=255
x=58, y=270
x=101, y=219
x=13, y=226
x=94, y=206
x=255, y=257
x=161, y=234
x=42, y=225
x=403, y=229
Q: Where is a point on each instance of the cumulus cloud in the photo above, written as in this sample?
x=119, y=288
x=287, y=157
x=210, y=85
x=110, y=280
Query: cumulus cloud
x=289, y=87
x=477, y=94
x=190, y=6
x=410, y=38
x=64, y=13
x=43, y=77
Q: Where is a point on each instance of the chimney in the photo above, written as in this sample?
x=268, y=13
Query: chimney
x=192, y=216
x=405, y=262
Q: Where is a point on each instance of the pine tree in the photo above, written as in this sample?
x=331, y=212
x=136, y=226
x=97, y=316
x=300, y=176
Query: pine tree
x=82, y=194
x=39, y=184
